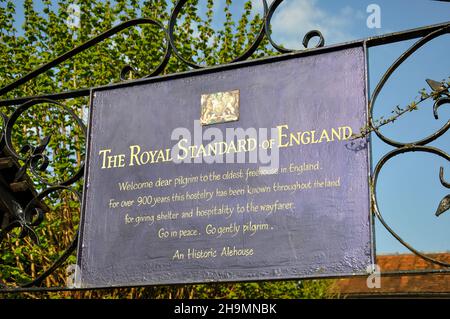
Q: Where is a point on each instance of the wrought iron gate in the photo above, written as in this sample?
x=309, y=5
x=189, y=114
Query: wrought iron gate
x=22, y=208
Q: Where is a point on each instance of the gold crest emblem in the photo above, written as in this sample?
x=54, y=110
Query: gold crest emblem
x=219, y=107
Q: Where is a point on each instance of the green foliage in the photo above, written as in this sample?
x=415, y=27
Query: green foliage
x=46, y=35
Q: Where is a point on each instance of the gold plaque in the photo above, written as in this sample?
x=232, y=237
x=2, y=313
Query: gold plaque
x=220, y=107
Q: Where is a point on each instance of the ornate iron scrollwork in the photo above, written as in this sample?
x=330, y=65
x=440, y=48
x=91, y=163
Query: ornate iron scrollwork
x=28, y=213
x=440, y=94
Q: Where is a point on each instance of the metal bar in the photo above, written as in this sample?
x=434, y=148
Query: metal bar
x=370, y=157
x=221, y=67
x=404, y=35
x=435, y=272
x=370, y=42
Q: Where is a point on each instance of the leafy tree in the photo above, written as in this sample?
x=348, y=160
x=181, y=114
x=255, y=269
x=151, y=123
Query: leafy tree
x=45, y=35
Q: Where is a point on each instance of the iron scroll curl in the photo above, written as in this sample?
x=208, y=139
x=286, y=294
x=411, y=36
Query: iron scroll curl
x=265, y=31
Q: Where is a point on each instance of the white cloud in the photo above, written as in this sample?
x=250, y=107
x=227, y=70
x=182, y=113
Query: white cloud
x=294, y=18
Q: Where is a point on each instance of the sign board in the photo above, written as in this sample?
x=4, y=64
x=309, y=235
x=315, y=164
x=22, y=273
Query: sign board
x=237, y=173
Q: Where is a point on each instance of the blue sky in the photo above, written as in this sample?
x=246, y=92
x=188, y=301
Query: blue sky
x=409, y=189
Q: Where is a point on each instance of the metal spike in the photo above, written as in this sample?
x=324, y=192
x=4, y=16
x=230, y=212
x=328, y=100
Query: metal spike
x=444, y=205
x=435, y=85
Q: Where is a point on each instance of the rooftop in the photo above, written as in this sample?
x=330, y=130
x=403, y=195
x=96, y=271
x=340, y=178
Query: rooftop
x=419, y=285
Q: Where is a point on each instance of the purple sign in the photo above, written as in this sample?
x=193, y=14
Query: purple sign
x=241, y=173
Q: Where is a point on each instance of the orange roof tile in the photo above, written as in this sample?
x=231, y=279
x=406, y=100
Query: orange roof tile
x=394, y=284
